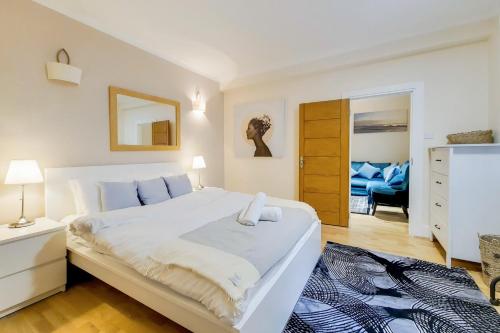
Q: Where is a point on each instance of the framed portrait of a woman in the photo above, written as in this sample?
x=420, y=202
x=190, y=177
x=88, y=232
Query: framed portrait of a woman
x=259, y=129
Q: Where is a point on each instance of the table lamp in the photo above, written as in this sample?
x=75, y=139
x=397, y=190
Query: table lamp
x=22, y=172
x=198, y=164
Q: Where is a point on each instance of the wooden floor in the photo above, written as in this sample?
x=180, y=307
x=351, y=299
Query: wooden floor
x=92, y=306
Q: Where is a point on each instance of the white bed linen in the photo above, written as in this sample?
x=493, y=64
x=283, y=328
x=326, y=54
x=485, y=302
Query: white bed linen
x=114, y=235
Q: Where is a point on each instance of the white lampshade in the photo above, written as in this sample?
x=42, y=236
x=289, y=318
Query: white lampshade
x=23, y=172
x=199, y=162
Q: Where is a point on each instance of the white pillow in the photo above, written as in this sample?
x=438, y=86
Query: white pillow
x=86, y=196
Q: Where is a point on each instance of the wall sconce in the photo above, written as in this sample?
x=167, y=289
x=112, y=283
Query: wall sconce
x=198, y=103
x=63, y=71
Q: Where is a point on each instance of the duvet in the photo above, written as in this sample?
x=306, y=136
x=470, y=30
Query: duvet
x=193, y=244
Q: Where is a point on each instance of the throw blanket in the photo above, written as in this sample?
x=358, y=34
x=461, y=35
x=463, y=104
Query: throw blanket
x=232, y=255
x=198, y=233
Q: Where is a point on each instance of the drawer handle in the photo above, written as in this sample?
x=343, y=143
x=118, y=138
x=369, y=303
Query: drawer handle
x=437, y=227
x=438, y=182
x=439, y=160
x=437, y=204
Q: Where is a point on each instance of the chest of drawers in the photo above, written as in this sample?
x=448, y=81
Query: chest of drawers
x=464, y=197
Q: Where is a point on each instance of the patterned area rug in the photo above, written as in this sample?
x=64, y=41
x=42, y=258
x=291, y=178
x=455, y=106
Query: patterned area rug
x=355, y=290
x=359, y=204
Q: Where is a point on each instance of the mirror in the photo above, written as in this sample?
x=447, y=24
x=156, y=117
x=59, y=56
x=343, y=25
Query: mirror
x=142, y=122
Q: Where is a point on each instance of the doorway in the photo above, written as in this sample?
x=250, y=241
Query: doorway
x=380, y=157
x=418, y=207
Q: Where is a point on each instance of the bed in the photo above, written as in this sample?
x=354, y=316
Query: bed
x=269, y=303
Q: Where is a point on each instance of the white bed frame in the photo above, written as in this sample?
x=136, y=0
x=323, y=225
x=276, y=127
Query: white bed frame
x=268, y=310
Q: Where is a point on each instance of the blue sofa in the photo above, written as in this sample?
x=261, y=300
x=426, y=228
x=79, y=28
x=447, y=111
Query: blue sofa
x=378, y=191
x=359, y=184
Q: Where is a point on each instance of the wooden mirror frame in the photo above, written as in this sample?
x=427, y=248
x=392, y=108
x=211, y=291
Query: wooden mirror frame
x=113, y=121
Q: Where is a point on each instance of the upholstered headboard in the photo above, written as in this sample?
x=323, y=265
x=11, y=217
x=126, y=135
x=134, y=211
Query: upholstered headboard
x=59, y=199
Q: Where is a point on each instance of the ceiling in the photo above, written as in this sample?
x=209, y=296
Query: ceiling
x=227, y=40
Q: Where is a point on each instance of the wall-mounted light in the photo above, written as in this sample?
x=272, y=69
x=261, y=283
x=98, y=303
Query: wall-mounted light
x=198, y=103
x=63, y=71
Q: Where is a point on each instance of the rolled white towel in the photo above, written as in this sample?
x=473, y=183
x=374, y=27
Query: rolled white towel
x=251, y=214
x=272, y=214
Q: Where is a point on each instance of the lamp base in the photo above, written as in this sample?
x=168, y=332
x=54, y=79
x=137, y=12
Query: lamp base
x=23, y=222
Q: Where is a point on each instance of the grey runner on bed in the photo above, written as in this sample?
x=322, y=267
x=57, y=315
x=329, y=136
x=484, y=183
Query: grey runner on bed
x=262, y=245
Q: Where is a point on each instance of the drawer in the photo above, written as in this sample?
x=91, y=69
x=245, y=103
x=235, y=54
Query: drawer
x=440, y=160
x=439, y=184
x=25, y=285
x=439, y=207
x=29, y=252
x=440, y=231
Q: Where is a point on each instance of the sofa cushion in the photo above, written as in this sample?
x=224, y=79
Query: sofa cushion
x=368, y=171
x=379, y=187
x=359, y=182
x=397, y=180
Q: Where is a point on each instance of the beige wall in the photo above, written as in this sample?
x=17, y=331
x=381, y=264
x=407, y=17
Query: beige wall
x=381, y=147
x=61, y=125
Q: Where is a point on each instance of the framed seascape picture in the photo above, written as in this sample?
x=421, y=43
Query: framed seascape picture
x=259, y=129
x=381, y=121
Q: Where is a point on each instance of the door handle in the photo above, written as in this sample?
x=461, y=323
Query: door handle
x=437, y=204
x=438, y=182
x=439, y=160
x=301, y=162
x=437, y=227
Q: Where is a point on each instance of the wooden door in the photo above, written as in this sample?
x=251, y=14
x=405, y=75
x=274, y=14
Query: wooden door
x=324, y=159
x=160, y=132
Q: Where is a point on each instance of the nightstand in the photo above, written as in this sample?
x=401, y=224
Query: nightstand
x=32, y=264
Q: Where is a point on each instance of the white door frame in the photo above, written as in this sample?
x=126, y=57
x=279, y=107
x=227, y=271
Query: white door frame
x=418, y=222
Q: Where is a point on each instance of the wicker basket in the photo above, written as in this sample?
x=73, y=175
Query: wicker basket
x=471, y=137
x=489, y=245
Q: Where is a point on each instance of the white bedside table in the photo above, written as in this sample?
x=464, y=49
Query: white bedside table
x=32, y=264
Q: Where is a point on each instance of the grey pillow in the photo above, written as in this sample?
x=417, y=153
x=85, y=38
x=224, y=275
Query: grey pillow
x=118, y=195
x=152, y=191
x=178, y=185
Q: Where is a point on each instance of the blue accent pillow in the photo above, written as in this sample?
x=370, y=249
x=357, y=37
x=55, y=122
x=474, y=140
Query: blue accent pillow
x=118, y=195
x=391, y=171
x=178, y=185
x=405, y=168
x=368, y=171
x=356, y=165
x=152, y=191
x=353, y=172
x=397, y=180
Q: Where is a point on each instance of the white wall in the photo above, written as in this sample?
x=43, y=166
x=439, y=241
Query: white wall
x=381, y=147
x=131, y=123
x=455, y=99
x=63, y=125
x=494, y=116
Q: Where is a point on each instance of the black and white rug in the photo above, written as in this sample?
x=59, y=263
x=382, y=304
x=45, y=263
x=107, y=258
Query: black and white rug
x=359, y=204
x=355, y=290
